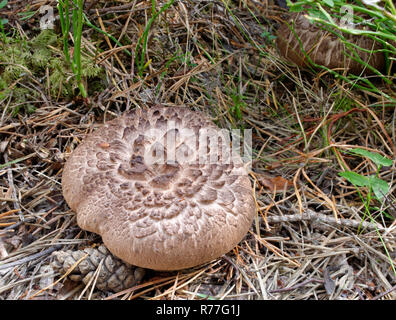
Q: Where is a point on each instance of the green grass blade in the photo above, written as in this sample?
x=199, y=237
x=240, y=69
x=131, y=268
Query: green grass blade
x=143, y=38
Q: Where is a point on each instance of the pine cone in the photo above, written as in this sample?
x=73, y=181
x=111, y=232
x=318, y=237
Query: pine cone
x=115, y=275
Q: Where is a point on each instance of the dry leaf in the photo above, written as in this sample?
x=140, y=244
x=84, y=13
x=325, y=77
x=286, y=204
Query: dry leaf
x=277, y=183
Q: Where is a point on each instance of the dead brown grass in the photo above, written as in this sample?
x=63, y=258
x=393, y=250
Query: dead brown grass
x=304, y=243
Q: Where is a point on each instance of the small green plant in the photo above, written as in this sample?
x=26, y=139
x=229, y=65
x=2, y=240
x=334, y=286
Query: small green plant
x=373, y=183
x=77, y=24
x=239, y=103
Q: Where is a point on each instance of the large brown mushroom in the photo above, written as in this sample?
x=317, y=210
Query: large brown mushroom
x=157, y=190
x=299, y=38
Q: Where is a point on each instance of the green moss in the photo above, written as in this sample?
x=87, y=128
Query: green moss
x=45, y=38
x=90, y=68
x=39, y=46
x=21, y=59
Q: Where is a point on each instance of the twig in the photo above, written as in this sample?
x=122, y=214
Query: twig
x=236, y=268
x=32, y=257
x=125, y=7
x=37, y=255
x=13, y=190
x=311, y=215
x=302, y=284
x=384, y=293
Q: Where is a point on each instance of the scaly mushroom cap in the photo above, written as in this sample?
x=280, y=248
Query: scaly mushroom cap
x=324, y=48
x=158, y=195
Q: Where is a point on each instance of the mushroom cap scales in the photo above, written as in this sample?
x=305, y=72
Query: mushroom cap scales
x=160, y=197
